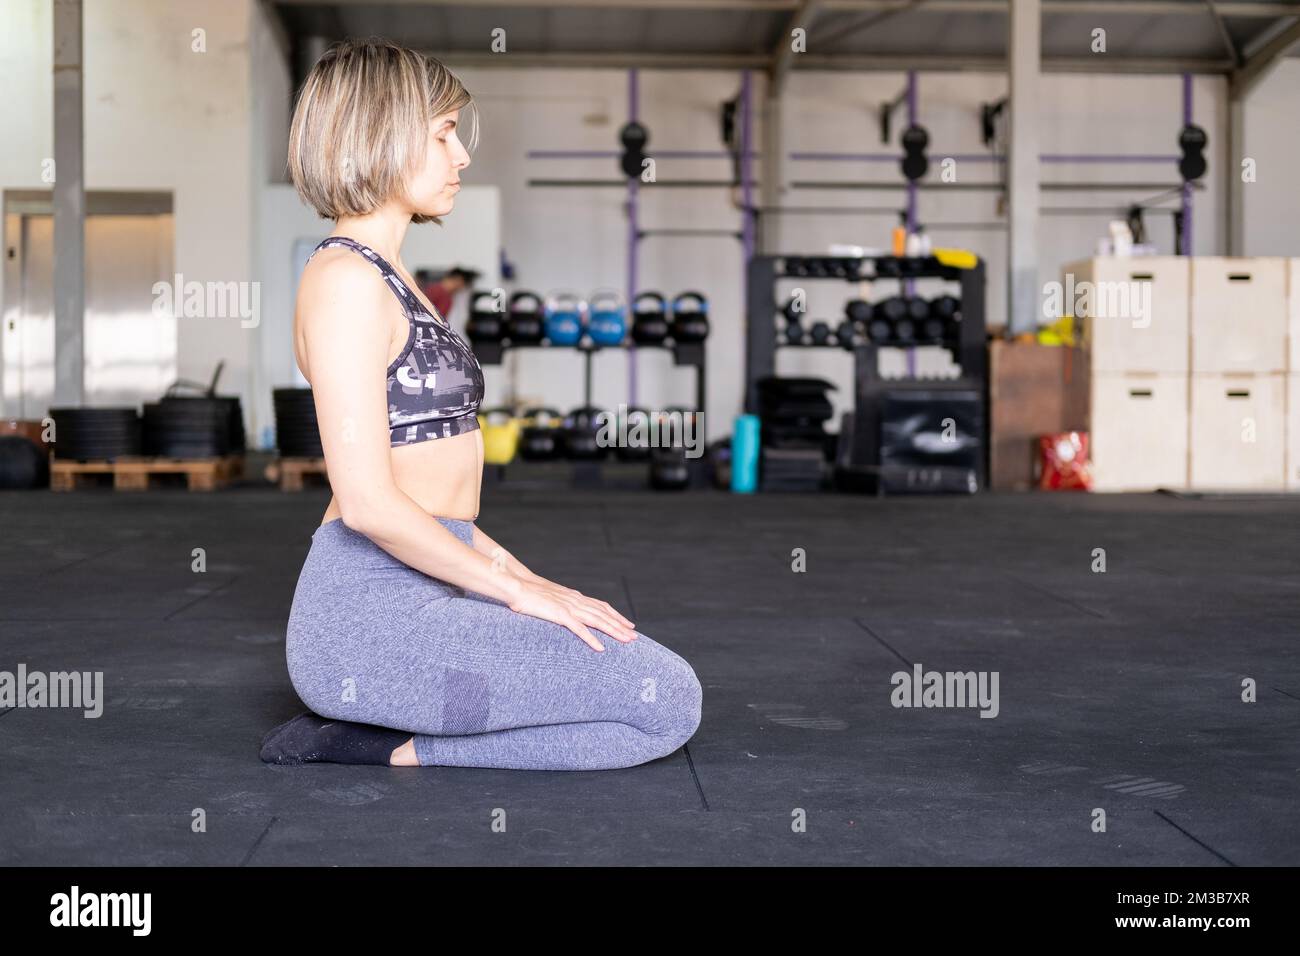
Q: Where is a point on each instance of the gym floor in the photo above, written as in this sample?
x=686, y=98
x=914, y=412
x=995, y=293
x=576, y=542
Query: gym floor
x=1119, y=691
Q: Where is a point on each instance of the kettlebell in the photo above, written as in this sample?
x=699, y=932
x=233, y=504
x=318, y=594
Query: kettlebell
x=524, y=325
x=580, y=432
x=564, y=318
x=485, y=321
x=636, y=428
x=649, y=322
x=668, y=469
x=607, y=318
x=538, y=439
x=501, y=431
x=690, y=317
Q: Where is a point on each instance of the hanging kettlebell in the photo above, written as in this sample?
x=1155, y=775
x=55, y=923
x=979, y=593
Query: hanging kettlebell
x=564, y=318
x=581, y=433
x=634, y=435
x=501, y=431
x=649, y=321
x=690, y=317
x=607, y=318
x=524, y=325
x=538, y=439
x=485, y=319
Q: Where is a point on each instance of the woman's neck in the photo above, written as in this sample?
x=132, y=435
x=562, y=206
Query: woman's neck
x=383, y=230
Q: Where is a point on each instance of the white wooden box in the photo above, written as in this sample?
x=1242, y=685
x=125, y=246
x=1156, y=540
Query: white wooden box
x=1133, y=311
x=1238, y=315
x=1138, y=432
x=1238, y=433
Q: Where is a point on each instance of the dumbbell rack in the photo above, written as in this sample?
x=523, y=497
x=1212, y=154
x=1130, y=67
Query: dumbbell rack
x=684, y=353
x=969, y=350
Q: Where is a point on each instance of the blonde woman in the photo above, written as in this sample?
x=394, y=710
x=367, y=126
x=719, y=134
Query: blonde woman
x=414, y=638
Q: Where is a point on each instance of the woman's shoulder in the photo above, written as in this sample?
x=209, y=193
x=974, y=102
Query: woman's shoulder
x=336, y=274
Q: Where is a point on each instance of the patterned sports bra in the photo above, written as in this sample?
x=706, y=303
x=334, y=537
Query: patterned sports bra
x=435, y=387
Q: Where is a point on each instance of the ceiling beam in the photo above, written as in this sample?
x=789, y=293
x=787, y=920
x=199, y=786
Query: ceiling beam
x=1248, y=75
x=1143, y=8
x=870, y=62
x=1224, y=35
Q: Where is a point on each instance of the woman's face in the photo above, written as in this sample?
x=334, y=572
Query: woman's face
x=434, y=186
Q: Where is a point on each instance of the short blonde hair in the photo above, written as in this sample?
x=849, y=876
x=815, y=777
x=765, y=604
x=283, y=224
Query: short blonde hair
x=361, y=125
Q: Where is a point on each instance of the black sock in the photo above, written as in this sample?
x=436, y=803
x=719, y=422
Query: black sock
x=310, y=738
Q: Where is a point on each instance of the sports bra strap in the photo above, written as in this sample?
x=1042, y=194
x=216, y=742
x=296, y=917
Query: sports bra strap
x=391, y=278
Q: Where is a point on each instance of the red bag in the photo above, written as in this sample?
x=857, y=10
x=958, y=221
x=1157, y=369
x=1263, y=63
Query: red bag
x=1063, y=462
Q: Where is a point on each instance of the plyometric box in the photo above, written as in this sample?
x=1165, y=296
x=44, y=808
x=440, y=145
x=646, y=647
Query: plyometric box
x=1033, y=390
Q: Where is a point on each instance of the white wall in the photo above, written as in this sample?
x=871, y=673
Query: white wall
x=1272, y=202
x=157, y=117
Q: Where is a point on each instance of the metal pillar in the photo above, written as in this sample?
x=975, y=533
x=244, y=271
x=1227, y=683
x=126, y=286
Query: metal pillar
x=1024, y=61
x=69, y=207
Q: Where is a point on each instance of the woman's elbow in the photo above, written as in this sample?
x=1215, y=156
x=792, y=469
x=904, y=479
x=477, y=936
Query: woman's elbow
x=361, y=515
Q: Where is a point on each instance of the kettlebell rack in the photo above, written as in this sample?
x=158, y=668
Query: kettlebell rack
x=684, y=353
x=968, y=348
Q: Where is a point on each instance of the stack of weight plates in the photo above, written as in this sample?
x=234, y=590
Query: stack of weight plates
x=792, y=469
x=296, y=432
x=192, y=427
x=89, y=434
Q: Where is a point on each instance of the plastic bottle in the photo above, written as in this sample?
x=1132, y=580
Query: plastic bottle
x=744, y=455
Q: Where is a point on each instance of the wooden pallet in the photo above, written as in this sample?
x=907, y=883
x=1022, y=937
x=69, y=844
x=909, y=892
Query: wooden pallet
x=288, y=473
x=133, y=472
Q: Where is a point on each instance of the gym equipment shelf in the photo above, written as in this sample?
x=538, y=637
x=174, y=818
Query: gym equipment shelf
x=969, y=349
x=684, y=353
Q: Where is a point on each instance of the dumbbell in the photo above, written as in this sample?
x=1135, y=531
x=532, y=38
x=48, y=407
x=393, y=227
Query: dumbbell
x=904, y=330
x=821, y=333
x=794, y=333
x=858, y=310
x=879, y=330
x=943, y=310
x=892, y=309
x=844, y=334
x=789, y=311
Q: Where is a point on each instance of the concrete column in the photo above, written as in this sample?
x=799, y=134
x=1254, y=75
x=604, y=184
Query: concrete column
x=1235, y=191
x=69, y=208
x=1023, y=68
x=772, y=182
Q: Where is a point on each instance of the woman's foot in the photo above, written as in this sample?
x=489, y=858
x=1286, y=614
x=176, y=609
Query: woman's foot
x=310, y=738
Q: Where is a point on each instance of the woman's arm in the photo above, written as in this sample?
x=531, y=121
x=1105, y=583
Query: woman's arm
x=501, y=557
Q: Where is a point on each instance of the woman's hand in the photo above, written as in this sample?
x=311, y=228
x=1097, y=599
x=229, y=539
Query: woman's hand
x=553, y=602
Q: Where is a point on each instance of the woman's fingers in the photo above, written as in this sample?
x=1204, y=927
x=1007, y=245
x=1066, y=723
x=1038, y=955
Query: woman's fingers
x=612, y=610
x=591, y=613
x=573, y=624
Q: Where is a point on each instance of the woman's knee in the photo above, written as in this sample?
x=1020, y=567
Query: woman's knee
x=679, y=699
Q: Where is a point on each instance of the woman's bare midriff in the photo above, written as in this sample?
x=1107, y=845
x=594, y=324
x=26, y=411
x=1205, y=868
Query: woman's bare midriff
x=442, y=475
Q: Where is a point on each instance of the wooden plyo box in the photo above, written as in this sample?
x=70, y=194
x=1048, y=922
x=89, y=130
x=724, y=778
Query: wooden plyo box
x=1033, y=390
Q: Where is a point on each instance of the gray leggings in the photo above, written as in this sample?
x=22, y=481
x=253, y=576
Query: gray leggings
x=376, y=641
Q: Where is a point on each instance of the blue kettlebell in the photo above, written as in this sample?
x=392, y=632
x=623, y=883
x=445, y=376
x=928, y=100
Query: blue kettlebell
x=607, y=318
x=564, y=318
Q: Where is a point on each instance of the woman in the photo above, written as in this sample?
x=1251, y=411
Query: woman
x=414, y=638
